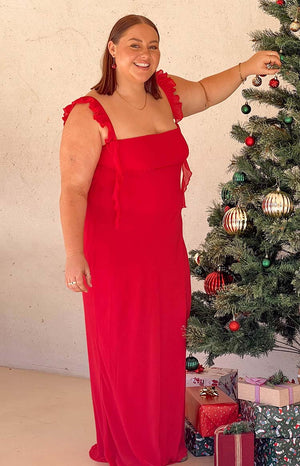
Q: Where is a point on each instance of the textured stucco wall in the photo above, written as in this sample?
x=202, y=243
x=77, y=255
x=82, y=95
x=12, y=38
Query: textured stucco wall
x=50, y=56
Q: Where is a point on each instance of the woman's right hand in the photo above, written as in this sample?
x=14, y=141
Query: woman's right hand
x=77, y=273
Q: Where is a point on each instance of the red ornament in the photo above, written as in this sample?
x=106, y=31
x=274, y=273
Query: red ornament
x=250, y=141
x=234, y=326
x=226, y=208
x=274, y=82
x=217, y=280
x=280, y=2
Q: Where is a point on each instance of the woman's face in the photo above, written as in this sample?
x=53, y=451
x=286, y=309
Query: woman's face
x=137, y=53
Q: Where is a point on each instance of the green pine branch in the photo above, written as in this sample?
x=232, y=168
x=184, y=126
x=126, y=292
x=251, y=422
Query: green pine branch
x=265, y=259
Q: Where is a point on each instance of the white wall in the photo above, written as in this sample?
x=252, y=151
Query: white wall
x=50, y=56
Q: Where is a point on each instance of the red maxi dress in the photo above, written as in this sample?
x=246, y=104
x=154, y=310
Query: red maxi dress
x=137, y=309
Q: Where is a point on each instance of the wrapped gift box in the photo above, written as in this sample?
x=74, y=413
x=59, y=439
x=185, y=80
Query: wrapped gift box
x=197, y=445
x=277, y=452
x=270, y=421
x=277, y=395
x=233, y=449
x=225, y=379
x=208, y=413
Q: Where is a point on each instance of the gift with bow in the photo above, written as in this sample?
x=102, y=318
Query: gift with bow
x=220, y=377
x=234, y=449
x=261, y=390
x=206, y=413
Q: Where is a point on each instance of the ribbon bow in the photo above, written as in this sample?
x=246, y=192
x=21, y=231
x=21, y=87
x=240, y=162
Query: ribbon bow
x=209, y=391
x=255, y=380
x=258, y=382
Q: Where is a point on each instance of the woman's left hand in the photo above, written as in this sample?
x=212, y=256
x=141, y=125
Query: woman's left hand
x=261, y=63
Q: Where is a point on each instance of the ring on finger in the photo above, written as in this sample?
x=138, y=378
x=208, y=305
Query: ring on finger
x=72, y=283
x=269, y=65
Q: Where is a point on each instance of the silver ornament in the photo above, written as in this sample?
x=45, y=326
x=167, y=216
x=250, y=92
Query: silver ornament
x=256, y=81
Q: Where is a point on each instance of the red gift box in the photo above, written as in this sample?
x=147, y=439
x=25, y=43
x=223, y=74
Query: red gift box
x=208, y=413
x=233, y=449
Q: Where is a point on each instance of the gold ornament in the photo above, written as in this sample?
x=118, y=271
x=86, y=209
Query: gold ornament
x=295, y=25
x=277, y=204
x=235, y=220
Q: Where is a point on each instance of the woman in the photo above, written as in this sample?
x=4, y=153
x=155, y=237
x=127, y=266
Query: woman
x=122, y=159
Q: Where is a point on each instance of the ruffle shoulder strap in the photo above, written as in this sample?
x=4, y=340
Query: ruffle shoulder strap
x=169, y=87
x=98, y=111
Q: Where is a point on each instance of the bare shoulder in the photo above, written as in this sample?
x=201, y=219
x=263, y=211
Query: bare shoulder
x=81, y=123
x=80, y=126
x=83, y=109
x=103, y=99
x=80, y=114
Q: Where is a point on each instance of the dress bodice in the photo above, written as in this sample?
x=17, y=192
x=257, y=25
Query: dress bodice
x=142, y=153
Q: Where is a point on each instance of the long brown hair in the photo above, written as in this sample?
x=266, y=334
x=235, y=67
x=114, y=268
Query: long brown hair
x=107, y=84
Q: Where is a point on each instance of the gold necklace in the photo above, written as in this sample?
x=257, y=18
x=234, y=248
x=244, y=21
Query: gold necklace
x=137, y=108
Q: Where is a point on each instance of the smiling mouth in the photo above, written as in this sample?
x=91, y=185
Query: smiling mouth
x=142, y=65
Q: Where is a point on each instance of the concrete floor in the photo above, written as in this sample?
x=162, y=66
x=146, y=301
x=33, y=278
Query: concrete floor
x=47, y=420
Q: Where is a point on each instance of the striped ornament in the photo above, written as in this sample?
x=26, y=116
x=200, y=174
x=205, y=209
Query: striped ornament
x=235, y=220
x=217, y=280
x=277, y=204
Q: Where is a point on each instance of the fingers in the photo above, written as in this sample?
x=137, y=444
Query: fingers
x=80, y=285
x=76, y=285
x=88, y=278
x=271, y=60
x=272, y=53
x=77, y=273
x=265, y=62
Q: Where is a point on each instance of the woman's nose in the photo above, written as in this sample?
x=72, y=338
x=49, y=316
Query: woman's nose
x=145, y=52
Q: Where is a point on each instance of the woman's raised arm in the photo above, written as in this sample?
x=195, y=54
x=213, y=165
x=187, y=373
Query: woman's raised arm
x=198, y=96
x=79, y=154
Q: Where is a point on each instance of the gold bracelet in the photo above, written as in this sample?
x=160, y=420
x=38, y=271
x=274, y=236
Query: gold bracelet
x=242, y=79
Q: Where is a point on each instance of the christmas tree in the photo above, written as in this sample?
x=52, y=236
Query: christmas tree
x=250, y=260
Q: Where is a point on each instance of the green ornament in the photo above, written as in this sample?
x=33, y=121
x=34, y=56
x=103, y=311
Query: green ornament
x=239, y=177
x=246, y=108
x=199, y=271
x=266, y=262
x=226, y=194
x=281, y=55
x=288, y=120
x=191, y=363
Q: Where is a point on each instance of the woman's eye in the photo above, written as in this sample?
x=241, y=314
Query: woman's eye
x=134, y=46
x=154, y=47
